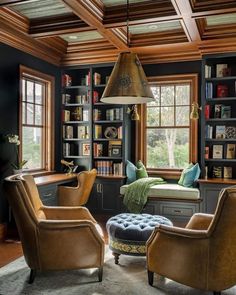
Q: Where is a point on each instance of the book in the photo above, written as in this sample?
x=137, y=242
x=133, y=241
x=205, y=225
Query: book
x=220, y=70
x=82, y=132
x=209, y=90
x=220, y=132
x=207, y=111
x=228, y=172
x=68, y=132
x=66, y=98
x=96, y=78
x=85, y=115
x=217, y=171
x=230, y=151
x=66, y=80
x=207, y=71
x=95, y=96
x=225, y=112
x=206, y=154
x=208, y=131
x=97, y=114
x=217, y=151
x=65, y=116
x=230, y=132
x=97, y=131
x=217, y=112
x=222, y=90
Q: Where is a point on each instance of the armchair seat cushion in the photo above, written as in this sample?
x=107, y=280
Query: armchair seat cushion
x=170, y=191
x=129, y=232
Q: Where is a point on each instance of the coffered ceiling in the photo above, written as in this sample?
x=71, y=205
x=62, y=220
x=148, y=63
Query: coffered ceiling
x=74, y=32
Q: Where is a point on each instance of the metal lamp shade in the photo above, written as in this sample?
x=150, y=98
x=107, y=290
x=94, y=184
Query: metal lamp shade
x=128, y=83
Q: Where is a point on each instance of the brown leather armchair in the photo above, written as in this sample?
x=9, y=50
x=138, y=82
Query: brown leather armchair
x=53, y=238
x=202, y=255
x=77, y=196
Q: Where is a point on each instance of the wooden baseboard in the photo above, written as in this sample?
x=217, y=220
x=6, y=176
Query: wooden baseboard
x=3, y=231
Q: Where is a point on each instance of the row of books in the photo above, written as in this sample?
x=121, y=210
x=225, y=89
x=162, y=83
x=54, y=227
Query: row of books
x=221, y=132
x=82, y=132
x=80, y=99
x=71, y=149
x=111, y=114
x=108, y=168
x=221, y=70
x=218, y=151
x=219, y=111
x=78, y=114
x=221, y=90
x=222, y=172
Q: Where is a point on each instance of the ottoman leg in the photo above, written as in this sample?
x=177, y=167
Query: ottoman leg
x=116, y=257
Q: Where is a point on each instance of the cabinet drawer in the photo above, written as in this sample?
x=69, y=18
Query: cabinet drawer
x=177, y=210
x=48, y=195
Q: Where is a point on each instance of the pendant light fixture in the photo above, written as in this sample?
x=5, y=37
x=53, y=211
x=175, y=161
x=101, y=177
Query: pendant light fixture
x=128, y=83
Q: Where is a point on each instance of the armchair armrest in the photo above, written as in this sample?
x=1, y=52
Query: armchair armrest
x=177, y=232
x=67, y=213
x=200, y=221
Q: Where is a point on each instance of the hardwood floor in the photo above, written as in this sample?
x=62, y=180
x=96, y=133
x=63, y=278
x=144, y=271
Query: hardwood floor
x=11, y=248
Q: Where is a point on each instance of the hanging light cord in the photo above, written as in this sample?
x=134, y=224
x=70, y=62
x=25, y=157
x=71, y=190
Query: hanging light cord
x=127, y=23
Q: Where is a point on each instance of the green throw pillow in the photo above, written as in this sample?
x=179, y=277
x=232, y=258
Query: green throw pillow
x=181, y=180
x=141, y=171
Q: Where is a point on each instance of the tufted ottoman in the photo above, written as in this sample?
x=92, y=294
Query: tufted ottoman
x=129, y=232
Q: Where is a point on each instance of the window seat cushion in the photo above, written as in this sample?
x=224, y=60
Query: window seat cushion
x=170, y=191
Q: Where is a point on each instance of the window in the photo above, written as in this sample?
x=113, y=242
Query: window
x=36, y=120
x=169, y=136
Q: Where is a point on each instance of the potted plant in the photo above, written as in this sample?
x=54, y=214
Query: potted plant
x=18, y=166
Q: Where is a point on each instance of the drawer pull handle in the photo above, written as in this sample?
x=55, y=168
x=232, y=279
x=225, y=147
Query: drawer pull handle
x=177, y=211
x=48, y=195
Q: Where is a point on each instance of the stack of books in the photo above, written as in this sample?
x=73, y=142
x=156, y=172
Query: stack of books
x=97, y=149
x=104, y=167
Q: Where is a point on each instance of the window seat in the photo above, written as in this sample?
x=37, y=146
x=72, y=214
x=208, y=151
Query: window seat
x=170, y=191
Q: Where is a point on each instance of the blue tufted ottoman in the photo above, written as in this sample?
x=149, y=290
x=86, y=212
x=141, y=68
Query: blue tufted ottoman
x=129, y=232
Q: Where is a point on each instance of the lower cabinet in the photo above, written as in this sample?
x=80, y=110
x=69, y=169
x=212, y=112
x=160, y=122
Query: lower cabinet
x=210, y=194
x=176, y=211
x=48, y=194
x=105, y=196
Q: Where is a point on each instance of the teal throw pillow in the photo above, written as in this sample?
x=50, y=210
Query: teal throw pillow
x=191, y=175
x=141, y=171
x=130, y=172
x=181, y=180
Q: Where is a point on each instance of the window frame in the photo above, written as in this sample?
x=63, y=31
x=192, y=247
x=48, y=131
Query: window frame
x=140, y=147
x=48, y=155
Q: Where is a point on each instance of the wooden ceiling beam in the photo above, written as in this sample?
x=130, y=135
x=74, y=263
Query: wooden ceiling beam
x=88, y=12
x=183, y=9
x=213, y=12
x=57, y=25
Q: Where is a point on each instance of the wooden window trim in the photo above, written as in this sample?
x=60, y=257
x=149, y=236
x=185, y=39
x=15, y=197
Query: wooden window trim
x=140, y=146
x=49, y=136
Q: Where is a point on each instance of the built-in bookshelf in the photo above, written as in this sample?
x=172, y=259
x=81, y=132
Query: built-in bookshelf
x=94, y=134
x=218, y=120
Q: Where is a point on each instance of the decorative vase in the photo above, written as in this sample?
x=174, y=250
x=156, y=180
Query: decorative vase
x=17, y=171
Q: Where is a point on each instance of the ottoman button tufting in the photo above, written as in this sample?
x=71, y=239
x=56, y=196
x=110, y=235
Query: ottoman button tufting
x=128, y=232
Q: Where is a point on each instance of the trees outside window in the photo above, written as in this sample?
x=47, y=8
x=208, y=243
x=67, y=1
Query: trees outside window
x=36, y=122
x=169, y=136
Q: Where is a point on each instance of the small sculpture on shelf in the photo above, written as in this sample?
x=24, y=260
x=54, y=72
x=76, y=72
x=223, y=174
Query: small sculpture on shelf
x=69, y=166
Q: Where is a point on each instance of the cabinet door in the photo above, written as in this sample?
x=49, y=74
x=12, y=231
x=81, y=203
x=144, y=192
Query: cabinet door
x=93, y=203
x=210, y=194
x=110, y=196
x=48, y=194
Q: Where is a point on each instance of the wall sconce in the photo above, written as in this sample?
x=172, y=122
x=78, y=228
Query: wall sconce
x=194, y=115
x=134, y=113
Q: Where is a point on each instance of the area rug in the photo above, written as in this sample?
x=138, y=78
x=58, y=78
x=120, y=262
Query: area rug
x=127, y=278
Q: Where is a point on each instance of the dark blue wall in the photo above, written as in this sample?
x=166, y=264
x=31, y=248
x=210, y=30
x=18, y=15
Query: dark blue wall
x=10, y=59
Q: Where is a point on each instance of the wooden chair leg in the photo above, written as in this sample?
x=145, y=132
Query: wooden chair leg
x=116, y=257
x=150, y=277
x=216, y=293
x=32, y=276
x=100, y=273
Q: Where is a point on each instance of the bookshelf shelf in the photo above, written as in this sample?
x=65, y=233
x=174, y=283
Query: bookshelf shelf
x=107, y=139
x=108, y=122
x=77, y=87
x=99, y=86
x=220, y=140
x=220, y=78
x=76, y=139
x=76, y=105
x=76, y=122
x=76, y=157
x=107, y=158
x=219, y=99
x=221, y=160
x=223, y=120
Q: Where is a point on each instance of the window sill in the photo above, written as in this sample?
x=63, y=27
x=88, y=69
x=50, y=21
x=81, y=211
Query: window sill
x=164, y=174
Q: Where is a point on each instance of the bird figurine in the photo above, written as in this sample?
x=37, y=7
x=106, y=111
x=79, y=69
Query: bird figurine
x=69, y=165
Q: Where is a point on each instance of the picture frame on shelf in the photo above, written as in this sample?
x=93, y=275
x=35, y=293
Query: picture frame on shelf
x=217, y=151
x=116, y=151
x=228, y=172
x=85, y=149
